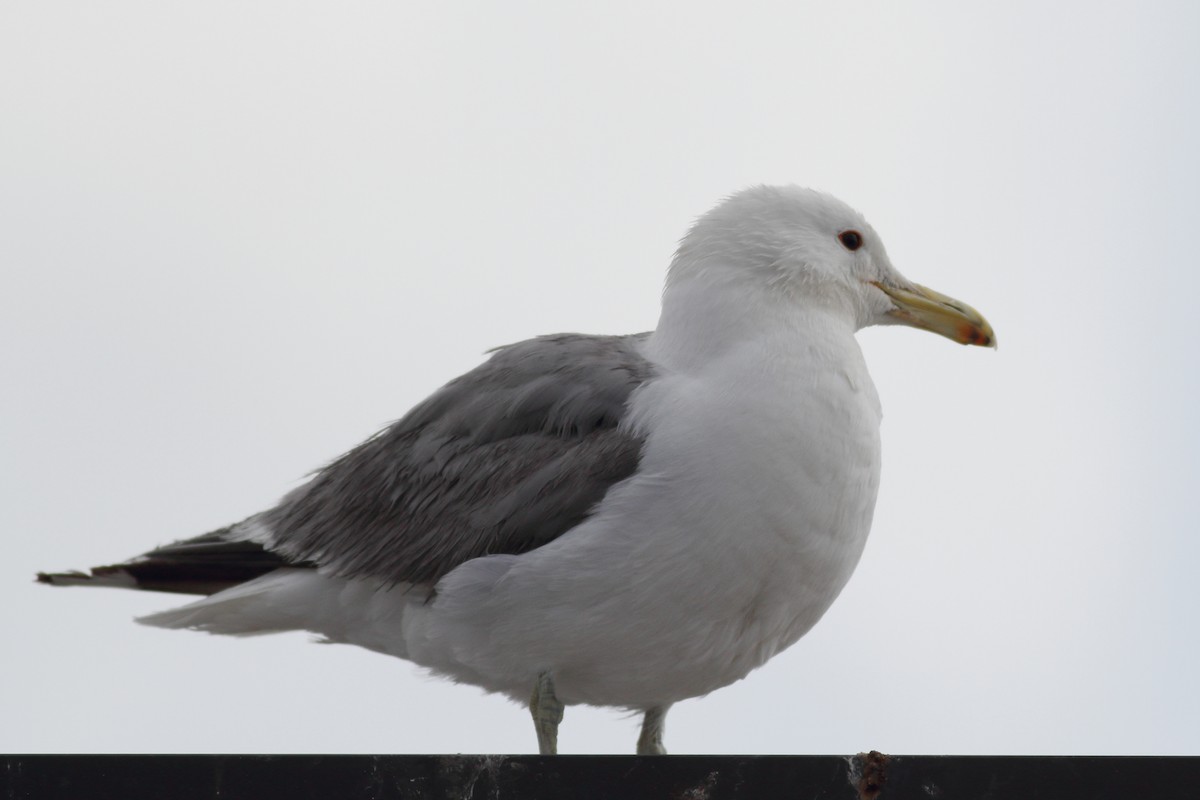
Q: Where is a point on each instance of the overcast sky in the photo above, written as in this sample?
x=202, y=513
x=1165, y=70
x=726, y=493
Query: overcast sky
x=237, y=238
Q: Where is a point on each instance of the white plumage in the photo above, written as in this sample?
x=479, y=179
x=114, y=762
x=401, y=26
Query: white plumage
x=749, y=507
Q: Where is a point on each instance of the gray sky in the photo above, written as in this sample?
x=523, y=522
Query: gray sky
x=236, y=239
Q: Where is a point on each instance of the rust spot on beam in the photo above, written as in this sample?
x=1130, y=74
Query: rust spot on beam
x=868, y=773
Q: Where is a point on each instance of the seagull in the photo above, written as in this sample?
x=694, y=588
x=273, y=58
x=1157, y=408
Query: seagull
x=625, y=521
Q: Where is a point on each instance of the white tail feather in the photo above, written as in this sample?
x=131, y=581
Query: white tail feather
x=255, y=607
x=349, y=611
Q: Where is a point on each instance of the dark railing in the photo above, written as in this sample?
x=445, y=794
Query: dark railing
x=868, y=776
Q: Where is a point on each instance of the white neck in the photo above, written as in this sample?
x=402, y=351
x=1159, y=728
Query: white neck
x=700, y=324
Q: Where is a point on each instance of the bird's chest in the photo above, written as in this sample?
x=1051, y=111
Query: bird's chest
x=801, y=474
x=767, y=481
x=792, y=448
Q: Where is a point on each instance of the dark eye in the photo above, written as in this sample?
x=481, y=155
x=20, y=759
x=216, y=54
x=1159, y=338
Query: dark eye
x=851, y=240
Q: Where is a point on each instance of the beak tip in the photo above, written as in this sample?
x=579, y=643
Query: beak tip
x=981, y=337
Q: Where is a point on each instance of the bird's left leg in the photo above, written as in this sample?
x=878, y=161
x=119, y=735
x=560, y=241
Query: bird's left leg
x=547, y=711
x=650, y=743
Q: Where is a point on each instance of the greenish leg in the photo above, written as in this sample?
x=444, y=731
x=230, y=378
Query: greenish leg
x=650, y=743
x=547, y=712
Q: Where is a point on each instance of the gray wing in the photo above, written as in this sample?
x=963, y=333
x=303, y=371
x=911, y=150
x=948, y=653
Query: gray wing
x=501, y=460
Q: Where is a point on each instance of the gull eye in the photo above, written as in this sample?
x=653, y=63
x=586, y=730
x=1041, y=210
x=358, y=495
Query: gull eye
x=851, y=240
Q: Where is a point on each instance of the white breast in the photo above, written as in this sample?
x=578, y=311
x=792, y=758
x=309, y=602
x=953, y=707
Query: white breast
x=747, y=516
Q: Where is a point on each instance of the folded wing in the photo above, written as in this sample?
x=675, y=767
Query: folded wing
x=503, y=459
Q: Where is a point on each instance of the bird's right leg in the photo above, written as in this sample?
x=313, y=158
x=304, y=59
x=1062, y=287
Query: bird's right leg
x=650, y=743
x=547, y=712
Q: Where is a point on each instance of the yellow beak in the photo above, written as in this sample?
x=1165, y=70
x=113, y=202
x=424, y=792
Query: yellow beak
x=929, y=310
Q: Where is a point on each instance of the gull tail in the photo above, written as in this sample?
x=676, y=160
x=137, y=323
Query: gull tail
x=367, y=613
x=255, y=591
x=271, y=603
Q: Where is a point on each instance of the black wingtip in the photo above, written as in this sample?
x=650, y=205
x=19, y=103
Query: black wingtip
x=204, y=565
x=62, y=578
x=115, y=576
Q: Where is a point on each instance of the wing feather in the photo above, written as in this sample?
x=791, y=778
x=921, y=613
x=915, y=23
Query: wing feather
x=501, y=460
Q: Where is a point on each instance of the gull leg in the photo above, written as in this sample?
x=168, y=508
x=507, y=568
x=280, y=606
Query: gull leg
x=547, y=712
x=650, y=743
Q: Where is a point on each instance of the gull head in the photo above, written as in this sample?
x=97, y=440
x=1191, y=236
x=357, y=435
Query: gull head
x=792, y=250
